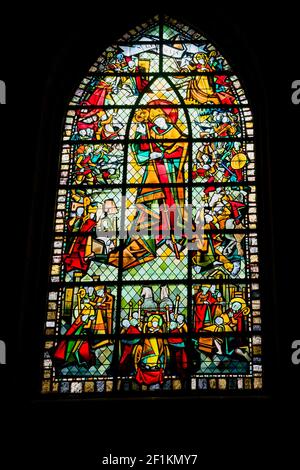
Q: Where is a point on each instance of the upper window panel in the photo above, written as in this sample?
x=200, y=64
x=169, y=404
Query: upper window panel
x=154, y=281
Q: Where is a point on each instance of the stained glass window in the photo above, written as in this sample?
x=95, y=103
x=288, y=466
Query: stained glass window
x=154, y=281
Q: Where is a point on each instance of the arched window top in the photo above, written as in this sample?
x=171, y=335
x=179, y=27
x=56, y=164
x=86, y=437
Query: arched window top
x=156, y=50
x=154, y=282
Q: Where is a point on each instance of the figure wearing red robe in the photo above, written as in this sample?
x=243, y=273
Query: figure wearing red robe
x=141, y=83
x=68, y=348
x=177, y=347
x=84, y=165
x=128, y=346
x=163, y=160
x=224, y=97
x=76, y=257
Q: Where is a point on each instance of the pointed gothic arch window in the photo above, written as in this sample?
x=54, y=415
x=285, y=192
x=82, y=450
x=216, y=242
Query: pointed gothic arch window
x=154, y=276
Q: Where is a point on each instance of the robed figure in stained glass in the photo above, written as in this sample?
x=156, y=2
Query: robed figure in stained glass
x=82, y=221
x=92, y=319
x=160, y=208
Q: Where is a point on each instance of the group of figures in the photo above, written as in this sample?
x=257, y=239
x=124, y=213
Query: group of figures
x=161, y=202
x=97, y=164
x=86, y=323
x=215, y=232
x=101, y=119
x=158, y=213
x=153, y=333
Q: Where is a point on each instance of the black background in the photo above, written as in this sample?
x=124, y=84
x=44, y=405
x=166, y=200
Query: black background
x=45, y=52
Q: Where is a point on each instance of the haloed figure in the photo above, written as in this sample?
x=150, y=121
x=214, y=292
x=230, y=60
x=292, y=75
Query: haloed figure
x=159, y=208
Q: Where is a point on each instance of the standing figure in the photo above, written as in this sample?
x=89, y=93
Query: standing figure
x=151, y=356
x=79, y=248
x=87, y=122
x=163, y=160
